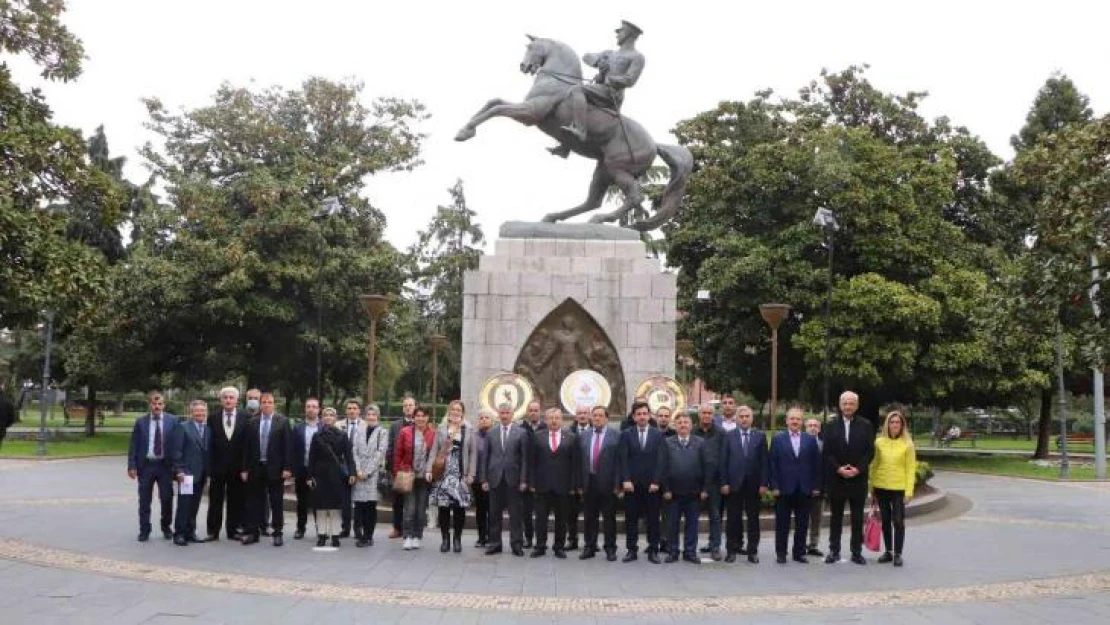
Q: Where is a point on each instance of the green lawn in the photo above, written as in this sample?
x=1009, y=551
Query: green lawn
x=99, y=444
x=31, y=420
x=1017, y=467
x=1007, y=443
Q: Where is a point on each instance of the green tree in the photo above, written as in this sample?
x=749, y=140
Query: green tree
x=226, y=279
x=908, y=272
x=444, y=252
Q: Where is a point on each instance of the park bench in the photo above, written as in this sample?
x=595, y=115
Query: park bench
x=1077, y=438
x=964, y=436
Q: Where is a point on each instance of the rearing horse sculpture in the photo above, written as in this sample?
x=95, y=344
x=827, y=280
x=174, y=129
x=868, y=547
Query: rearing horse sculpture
x=622, y=148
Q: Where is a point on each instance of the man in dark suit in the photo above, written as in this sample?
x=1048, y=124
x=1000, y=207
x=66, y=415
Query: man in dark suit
x=641, y=448
x=554, y=471
x=707, y=429
x=580, y=427
x=228, y=426
x=685, y=485
x=743, y=465
x=600, y=454
x=267, y=463
x=148, y=461
x=793, y=475
x=353, y=428
x=190, y=456
x=303, y=433
x=532, y=423
x=505, y=476
x=408, y=406
x=849, y=447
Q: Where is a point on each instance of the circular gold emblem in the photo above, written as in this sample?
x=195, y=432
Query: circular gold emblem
x=585, y=387
x=661, y=391
x=507, y=388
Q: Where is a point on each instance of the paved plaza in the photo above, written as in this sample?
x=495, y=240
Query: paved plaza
x=1007, y=551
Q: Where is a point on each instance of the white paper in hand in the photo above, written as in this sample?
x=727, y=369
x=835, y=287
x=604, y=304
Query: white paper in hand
x=186, y=485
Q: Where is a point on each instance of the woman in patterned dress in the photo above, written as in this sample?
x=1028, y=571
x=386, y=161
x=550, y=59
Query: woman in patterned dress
x=456, y=448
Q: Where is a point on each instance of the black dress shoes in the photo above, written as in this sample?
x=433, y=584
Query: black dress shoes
x=897, y=559
x=572, y=545
x=815, y=552
x=299, y=534
x=611, y=556
x=334, y=541
x=518, y=551
x=539, y=552
x=832, y=558
x=559, y=553
x=445, y=546
x=629, y=556
x=494, y=550
x=705, y=549
x=731, y=557
x=180, y=541
x=858, y=559
x=456, y=545
x=780, y=559
x=345, y=534
x=193, y=539
x=715, y=555
x=671, y=557
x=361, y=543
x=886, y=557
x=691, y=558
x=167, y=534
x=211, y=538
x=321, y=541
x=143, y=537
x=587, y=553
x=653, y=557
x=754, y=559
x=527, y=543
x=279, y=542
x=249, y=539
x=801, y=560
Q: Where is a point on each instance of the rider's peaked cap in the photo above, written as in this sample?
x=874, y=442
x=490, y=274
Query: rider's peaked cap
x=635, y=29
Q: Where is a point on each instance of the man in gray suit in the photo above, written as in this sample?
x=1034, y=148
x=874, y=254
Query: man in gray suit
x=190, y=455
x=504, y=474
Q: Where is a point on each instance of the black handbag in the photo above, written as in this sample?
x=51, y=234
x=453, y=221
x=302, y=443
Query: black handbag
x=342, y=467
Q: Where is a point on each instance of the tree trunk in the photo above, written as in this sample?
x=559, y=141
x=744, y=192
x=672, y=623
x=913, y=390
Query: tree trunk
x=90, y=414
x=1044, y=426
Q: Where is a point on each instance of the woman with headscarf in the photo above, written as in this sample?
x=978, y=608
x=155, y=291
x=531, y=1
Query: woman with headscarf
x=331, y=470
x=370, y=454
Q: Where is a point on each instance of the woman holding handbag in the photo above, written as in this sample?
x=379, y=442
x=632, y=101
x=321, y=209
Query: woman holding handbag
x=331, y=469
x=893, y=476
x=370, y=454
x=454, y=462
x=412, y=462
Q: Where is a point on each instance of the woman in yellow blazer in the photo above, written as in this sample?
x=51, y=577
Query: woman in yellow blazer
x=893, y=473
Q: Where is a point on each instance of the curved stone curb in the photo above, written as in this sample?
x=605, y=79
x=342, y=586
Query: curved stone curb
x=70, y=560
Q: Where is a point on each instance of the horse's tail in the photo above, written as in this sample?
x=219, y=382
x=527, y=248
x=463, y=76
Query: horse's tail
x=681, y=163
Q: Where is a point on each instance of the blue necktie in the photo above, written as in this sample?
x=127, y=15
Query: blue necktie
x=265, y=441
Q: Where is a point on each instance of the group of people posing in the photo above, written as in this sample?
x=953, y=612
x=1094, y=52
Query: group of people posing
x=545, y=474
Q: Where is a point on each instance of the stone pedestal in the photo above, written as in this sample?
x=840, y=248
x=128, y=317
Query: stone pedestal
x=535, y=269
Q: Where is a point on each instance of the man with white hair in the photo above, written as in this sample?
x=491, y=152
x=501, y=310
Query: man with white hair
x=848, y=450
x=227, y=426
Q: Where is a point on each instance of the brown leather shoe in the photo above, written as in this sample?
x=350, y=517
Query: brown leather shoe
x=395, y=534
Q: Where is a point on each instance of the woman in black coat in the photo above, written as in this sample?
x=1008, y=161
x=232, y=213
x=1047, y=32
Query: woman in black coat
x=331, y=471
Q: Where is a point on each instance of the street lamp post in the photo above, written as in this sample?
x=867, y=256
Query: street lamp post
x=375, y=306
x=774, y=314
x=49, y=330
x=826, y=221
x=436, y=341
x=330, y=206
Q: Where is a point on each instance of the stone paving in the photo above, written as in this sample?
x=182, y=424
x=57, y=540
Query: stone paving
x=1026, y=552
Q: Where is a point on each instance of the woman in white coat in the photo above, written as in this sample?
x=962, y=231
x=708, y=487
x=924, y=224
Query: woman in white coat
x=370, y=454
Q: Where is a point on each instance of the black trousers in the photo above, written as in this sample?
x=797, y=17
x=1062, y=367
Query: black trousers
x=185, y=521
x=836, y=522
x=892, y=509
x=481, y=512
x=398, y=512
x=366, y=515
x=264, y=493
x=226, y=489
x=451, y=519
x=641, y=505
x=557, y=505
x=152, y=473
x=528, y=514
x=597, y=502
x=797, y=505
x=300, y=486
x=574, y=509
x=501, y=497
x=345, y=511
x=683, y=509
x=743, y=506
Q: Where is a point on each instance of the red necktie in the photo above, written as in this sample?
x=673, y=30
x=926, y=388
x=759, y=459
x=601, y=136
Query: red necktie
x=596, y=452
x=554, y=442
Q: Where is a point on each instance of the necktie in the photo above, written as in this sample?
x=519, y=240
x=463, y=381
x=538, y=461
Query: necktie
x=684, y=441
x=504, y=435
x=596, y=451
x=643, y=439
x=157, y=436
x=200, y=434
x=554, y=442
x=795, y=442
x=745, y=441
x=351, y=429
x=265, y=440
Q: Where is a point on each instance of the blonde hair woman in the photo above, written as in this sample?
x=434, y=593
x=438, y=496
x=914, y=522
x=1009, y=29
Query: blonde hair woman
x=893, y=476
x=455, y=451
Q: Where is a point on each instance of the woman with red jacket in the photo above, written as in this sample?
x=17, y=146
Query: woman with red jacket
x=412, y=453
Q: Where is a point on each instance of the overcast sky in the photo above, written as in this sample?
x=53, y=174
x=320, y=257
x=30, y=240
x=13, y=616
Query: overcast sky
x=981, y=61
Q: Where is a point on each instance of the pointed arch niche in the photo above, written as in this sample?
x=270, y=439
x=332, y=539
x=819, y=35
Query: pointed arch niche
x=567, y=339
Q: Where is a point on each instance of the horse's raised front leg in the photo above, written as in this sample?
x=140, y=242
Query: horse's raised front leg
x=633, y=196
x=598, y=186
x=468, y=130
x=522, y=112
